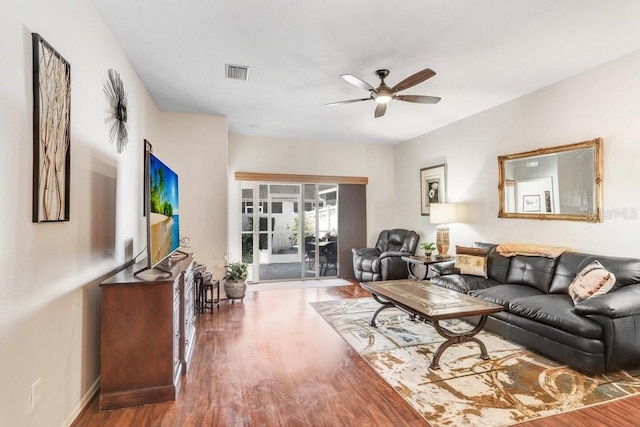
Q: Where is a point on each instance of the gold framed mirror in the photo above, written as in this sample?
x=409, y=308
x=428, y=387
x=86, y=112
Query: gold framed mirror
x=563, y=182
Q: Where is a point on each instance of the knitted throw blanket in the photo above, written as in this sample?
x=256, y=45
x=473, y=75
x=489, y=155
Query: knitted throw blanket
x=530, y=249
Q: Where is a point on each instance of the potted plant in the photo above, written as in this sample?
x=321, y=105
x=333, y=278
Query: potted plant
x=235, y=285
x=428, y=248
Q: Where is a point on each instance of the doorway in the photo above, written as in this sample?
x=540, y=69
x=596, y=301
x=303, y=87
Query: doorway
x=289, y=230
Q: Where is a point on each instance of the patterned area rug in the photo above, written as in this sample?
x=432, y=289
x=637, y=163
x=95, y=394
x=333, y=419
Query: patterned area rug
x=514, y=385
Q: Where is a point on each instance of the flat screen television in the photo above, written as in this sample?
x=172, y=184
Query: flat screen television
x=162, y=212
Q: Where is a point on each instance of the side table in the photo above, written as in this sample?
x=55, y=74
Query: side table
x=413, y=261
x=208, y=298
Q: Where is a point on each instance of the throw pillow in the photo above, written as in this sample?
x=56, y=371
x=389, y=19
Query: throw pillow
x=593, y=280
x=471, y=261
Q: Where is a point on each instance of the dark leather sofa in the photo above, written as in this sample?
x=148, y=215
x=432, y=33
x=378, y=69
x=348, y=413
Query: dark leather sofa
x=384, y=262
x=600, y=334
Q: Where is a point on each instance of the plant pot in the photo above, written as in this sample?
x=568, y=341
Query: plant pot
x=428, y=254
x=235, y=289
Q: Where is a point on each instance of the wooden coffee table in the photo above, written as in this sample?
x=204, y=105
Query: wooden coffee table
x=432, y=304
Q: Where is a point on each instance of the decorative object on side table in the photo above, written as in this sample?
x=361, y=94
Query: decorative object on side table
x=185, y=241
x=428, y=248
x=116, y=119
x=443, y=214
x=432, y=187
x=51, y=133
x=235, y=284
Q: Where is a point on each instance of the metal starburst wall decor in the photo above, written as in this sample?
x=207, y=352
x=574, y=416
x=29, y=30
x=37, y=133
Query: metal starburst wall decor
x=116, y=119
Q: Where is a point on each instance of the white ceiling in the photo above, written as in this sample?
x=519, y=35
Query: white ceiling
x=486, y=52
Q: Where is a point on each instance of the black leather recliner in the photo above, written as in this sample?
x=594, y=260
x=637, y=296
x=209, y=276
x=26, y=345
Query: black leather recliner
x=384, y=262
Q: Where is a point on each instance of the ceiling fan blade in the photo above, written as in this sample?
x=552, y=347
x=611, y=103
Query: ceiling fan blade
x=331, y=104
x=413, y=80
x=349, y=78
x=380, y=110
x=420, y=99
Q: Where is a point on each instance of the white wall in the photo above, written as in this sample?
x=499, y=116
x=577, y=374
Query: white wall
x=195, y=147
x=603, y=102
x=309, y=157
x=49, y=294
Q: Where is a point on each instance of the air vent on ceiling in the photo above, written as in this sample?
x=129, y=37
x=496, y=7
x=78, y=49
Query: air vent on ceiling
x=237, y=72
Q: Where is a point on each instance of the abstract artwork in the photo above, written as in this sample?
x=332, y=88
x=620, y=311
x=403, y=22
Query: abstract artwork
x=51, y=133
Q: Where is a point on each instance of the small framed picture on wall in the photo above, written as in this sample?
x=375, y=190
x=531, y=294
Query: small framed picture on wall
x=432, y=187
x=531, y=203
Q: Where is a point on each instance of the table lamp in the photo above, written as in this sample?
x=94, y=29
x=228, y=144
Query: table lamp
x=443, y=214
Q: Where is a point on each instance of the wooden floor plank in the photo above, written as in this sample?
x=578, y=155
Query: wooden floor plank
x=273, y=360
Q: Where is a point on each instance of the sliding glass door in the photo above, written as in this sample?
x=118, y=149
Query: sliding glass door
x=289, y=230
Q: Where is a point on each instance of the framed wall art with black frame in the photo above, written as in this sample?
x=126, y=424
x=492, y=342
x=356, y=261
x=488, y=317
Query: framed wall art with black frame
x=432, y=187
x=51, y=133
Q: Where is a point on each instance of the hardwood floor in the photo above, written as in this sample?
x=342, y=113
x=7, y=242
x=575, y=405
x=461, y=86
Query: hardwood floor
x=273, y=361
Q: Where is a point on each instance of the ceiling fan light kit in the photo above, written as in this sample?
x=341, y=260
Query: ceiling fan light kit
x=383, y=94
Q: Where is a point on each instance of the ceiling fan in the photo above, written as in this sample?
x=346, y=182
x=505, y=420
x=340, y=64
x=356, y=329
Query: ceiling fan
x=383, y=93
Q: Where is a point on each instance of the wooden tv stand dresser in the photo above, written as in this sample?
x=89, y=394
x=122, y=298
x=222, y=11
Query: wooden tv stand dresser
x=147, y=334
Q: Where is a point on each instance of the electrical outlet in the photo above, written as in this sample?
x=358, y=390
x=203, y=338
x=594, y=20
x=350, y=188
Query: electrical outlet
x=36, y=392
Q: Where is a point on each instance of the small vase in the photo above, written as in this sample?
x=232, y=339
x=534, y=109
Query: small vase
x=428, y=254
x=235, y=289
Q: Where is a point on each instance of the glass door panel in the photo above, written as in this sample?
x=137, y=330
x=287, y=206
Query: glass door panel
x=262, y=251
x=284, y=202
x=328, y=229
x=279, y=248
x=248, y=231
x=247, y=225
x=309, y=225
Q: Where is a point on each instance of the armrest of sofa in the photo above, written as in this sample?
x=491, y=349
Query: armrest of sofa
x=620, y=303
x=618, y=314
x=443, y=268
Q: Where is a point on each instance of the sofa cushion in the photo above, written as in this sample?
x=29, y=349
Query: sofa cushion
x=593, y=280
x=556, y=310
x=532, y=271
x=569, y=264
x=471, y=261
x=626, y=270
x=462, y=282
x=497, y=265
x=504, y=294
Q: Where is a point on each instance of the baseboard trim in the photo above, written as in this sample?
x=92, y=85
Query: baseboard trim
x=88, y=396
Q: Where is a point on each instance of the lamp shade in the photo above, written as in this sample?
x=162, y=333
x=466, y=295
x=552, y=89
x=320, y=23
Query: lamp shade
x=443, y=213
